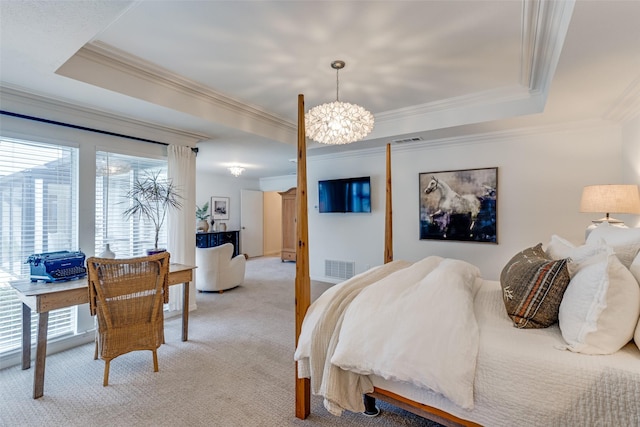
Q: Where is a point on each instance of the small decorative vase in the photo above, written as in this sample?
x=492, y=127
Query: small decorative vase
x=202, y=226
x=107, y=253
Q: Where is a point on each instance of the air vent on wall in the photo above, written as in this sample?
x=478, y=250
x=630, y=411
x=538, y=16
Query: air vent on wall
x=339, y=269
x=413, y=139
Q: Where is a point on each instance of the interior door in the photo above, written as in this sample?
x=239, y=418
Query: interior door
x=251, y=222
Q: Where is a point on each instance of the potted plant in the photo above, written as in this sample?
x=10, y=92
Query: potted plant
x=150, y=198
x=202, y=214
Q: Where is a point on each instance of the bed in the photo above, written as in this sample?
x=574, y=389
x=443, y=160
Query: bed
x=500, y=360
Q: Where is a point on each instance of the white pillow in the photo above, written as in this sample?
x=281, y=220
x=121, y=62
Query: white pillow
x=559, y=248
x=600, y=308
x=580, y=255
x=636, y=336
x=624, y=241
x=635, y=270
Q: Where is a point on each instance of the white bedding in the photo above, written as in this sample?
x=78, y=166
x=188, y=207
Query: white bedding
x=319, y=336
x=369, y=332
x=522, y=377
x=375, y=329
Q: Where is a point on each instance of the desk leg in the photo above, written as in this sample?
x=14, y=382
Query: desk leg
x=185, y=311
x=41, y=354
x=26, y=336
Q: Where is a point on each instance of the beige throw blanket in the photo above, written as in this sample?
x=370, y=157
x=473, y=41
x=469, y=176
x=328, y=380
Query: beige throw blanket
x=318, y=339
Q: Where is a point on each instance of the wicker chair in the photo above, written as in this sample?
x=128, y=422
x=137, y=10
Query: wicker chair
x=127, y=296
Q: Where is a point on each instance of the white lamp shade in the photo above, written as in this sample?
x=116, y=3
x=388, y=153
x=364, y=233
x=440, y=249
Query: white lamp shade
x=611, y=198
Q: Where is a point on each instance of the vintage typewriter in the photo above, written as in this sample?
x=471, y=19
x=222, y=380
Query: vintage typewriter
x=57, y=266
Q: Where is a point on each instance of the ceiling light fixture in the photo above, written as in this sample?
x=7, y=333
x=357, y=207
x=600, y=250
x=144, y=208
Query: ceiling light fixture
x=236, y=170
x=338, y=122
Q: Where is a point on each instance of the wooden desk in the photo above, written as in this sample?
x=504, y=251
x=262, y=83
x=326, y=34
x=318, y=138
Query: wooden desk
x=44, y=297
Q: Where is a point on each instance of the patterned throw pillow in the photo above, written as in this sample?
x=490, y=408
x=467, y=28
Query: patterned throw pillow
x=532, y=288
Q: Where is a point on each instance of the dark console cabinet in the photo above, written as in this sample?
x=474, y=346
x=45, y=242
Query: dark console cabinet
x=207, y=240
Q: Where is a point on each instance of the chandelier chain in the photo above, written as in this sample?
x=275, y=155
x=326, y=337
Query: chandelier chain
x=337, y=84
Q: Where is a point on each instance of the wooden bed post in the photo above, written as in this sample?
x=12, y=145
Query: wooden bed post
x=388, y=219
x=303, y=283
x=303, y=296
x=370, y=408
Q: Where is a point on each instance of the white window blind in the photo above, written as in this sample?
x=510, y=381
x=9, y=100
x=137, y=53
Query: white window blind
x=115, y=175
x=38, y=213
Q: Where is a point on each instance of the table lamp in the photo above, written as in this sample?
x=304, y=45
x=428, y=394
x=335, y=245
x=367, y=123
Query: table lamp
x=610, y=198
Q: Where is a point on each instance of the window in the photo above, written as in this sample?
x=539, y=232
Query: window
x=115, y=175
x=38, y=213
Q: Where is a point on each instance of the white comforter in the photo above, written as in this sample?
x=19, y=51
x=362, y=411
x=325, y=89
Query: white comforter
x=525, y=379
x=357, y=328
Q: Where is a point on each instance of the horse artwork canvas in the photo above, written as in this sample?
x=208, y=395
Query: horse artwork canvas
x=459, y=205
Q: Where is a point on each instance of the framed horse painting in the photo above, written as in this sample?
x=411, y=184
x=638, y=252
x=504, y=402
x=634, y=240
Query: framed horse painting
x=459, y=205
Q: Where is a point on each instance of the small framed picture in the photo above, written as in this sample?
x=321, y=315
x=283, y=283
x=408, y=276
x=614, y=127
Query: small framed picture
x=219, y=208
x=459, y=205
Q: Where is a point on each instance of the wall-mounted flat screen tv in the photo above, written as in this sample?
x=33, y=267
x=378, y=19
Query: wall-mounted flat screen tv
x=345, y=195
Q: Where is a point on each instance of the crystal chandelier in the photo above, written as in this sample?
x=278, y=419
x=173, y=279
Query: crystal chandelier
x=236, y=170
x=338, y=122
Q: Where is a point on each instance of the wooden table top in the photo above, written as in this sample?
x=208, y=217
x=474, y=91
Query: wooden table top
x=28, y=288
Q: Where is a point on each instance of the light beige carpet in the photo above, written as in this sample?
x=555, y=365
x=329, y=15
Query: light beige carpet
x=236, y=370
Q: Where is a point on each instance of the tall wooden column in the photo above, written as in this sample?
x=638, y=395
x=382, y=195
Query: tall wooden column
x=388, y=219
x=303, y=283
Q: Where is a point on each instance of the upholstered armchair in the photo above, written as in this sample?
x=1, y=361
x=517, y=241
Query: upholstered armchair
x=217, y=271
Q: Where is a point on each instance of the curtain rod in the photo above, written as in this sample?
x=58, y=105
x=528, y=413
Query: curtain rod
x=104, y=132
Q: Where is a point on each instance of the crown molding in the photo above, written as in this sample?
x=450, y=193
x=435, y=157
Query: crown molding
x=627, y=106
x=544, y=27
x=506, y=135
x=501, y=103
x=110, y=56
x=98, y=63
x=22, y=101
x=479, y=99
x=360, y=153
x=468, y=140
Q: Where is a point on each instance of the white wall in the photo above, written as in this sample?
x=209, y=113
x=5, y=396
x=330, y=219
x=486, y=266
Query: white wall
x=209, y=185
x=631, y=161
x=540, y=180
x=278, y=183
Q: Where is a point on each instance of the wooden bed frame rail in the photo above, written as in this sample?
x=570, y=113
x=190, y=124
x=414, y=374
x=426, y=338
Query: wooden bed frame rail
x=303, y=292
x=420, y=409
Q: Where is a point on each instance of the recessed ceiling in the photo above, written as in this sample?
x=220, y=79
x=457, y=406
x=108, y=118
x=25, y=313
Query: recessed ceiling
x=229, y=72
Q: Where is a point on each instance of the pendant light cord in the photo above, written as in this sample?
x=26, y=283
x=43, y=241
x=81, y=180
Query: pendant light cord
x=337, y=84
